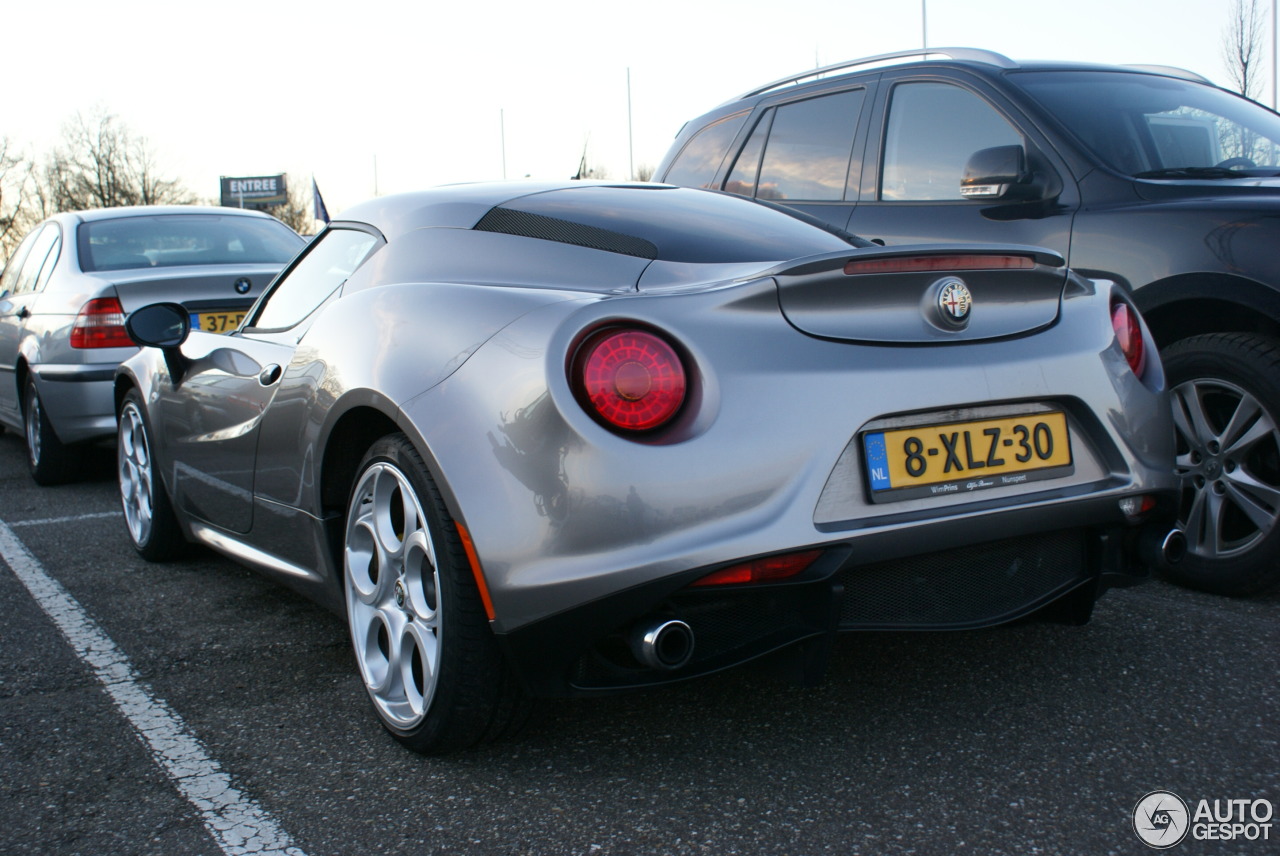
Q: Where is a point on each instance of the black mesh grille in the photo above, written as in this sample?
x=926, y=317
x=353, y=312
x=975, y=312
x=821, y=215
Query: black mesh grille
x=725, y=628
x=737, y=621
x=971, y=586
x=527, y=225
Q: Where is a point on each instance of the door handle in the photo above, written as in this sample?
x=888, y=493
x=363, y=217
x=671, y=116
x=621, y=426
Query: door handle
x=269, y=375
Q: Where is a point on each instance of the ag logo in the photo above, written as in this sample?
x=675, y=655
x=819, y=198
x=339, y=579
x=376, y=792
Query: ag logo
x=1161, y=819
x=953, y=302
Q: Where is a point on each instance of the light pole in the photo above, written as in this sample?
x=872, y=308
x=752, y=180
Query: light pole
x=631, y=148
x=502, y=138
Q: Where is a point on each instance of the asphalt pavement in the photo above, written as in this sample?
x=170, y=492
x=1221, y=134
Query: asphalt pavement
x=197, y=708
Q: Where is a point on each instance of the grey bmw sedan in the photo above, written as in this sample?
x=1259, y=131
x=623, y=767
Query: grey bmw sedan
x=66, y=290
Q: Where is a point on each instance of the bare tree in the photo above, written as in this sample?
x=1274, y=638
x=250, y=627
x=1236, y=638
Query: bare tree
x=644, y=172
x=102, y=164
x=299, y=212
x=16, y=197
x=1242, y=47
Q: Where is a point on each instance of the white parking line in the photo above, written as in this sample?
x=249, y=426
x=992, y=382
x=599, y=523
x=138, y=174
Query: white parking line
x=238, y=824
x=45, y=521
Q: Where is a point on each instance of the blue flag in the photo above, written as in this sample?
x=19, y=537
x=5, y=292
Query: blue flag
x=321, y=213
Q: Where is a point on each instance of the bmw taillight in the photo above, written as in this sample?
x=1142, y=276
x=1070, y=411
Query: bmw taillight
x=631, y=380
x=1128, y=329
x=100, y=324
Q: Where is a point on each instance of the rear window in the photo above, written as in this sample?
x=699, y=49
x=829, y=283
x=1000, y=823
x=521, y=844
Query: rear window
x=668, y=223
x=173, y=240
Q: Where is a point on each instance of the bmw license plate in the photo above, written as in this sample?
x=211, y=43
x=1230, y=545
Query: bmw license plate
x=216, y=322
x=963, y=457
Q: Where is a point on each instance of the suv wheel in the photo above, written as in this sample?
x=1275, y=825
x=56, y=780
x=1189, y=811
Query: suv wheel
x=1226, y=408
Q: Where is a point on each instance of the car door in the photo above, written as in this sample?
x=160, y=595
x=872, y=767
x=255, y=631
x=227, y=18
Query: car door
x=28, y=270
x=211, y=417
x=926, y=128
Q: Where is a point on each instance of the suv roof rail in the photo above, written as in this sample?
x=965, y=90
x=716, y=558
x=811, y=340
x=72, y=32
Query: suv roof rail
x=1173, y=71
x=970, y=54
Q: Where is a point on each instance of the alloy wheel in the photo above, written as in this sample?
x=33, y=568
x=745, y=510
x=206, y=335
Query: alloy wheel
x=393, y=593
x=1228, y=461
x=136, y=475
x=34, y=417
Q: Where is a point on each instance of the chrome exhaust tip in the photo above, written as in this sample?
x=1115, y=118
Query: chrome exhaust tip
x=1161, y=548
x=664, y=645
x=1173, y=547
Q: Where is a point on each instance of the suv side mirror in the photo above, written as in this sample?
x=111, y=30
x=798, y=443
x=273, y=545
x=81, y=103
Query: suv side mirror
x=999, y=172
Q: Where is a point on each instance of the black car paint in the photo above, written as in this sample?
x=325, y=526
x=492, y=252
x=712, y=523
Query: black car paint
x=1197, y=247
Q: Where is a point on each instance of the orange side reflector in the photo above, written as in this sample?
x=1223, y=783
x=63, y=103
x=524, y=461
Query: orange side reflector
x=474, y=561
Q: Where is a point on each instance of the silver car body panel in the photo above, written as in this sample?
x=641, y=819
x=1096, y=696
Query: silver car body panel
x=564, y=513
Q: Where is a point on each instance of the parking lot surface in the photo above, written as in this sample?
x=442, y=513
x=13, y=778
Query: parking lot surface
x=196, y=708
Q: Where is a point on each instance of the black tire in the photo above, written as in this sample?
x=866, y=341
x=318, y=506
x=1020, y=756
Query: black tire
x=1226, y=404
x=49, y=460
x=421, y=637
x=148, y=514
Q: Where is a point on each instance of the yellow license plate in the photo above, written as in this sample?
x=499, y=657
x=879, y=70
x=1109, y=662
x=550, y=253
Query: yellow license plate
x=962, y=457
x=216, y=322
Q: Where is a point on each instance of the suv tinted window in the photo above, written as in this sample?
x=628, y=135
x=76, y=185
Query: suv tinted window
x=1142, y=123
x=933, y=129
x=808, y=150
x=696, y=165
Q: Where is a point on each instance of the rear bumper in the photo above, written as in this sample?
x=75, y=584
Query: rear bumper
x=868, y=583
x=78, y=399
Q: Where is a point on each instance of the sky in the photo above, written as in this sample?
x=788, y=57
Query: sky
x=386, y=96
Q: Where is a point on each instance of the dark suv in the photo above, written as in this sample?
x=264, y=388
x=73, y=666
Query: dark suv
x=1151, y=177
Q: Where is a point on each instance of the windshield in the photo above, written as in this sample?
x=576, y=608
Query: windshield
x=170, y=240
x=1159, y=127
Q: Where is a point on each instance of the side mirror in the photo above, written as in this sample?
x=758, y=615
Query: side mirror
x=999, y=172
x=160, y=325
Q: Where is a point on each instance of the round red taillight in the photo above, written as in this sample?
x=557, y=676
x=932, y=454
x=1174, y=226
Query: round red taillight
x=1128, y=329
x=632, y=379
